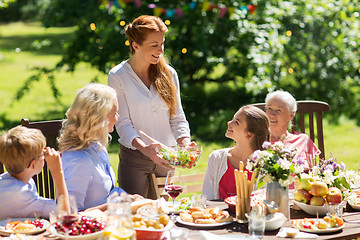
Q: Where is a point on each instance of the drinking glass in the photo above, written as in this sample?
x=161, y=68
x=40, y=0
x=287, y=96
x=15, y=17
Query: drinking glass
x=198, y=200
x=173, y=185
x=66, y=218
x=256, y=225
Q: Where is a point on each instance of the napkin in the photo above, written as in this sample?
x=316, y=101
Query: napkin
x=211, y=236
x=282, y=233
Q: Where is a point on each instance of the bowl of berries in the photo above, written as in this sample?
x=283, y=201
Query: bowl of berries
x=78, y=227
x=181, y=156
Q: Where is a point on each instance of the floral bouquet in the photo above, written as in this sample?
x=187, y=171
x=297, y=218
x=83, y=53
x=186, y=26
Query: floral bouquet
x=276, y=164
x=334, y=174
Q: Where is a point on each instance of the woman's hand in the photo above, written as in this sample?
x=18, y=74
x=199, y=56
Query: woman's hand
x=185, y=142
x=151, y=152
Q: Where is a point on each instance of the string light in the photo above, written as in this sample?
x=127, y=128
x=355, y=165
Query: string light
x=122, y=23
x=92, y=26
x=127, y=43
x=290, y=70
x=98, y=40
x=100, y=47
x=184, y=50
x=167, y=22
x=288, y=33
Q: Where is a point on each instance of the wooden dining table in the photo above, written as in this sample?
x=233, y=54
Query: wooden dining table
x=350, y=230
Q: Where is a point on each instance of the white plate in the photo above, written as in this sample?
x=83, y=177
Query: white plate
x=9, y=232
x=355, y=206
x=312, y=210
x=202, y=225
x=90, y=236
x=328, y=230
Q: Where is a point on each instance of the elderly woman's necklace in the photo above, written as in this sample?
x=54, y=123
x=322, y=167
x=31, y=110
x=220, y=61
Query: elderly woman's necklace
x=282, y=137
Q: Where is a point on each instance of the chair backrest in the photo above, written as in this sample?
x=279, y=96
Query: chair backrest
x=309, y=108
x=51, y=130
x=191, y=183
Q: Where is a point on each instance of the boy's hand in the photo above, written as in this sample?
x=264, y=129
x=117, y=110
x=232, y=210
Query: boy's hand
x=53, y=159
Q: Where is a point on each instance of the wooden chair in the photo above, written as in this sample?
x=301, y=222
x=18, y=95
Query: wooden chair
x=309, y=108
x=51, y=130
x=191, y=183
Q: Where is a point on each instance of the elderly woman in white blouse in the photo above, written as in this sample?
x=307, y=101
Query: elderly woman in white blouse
x=149, y=100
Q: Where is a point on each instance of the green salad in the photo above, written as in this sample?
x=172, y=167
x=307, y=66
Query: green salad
x=181, y=156
x=185, y=204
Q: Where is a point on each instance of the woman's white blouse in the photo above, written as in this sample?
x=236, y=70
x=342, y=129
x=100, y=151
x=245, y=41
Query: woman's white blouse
x=141, y=108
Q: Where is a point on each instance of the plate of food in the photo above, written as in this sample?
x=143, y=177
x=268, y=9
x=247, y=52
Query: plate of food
x=319, y=225
x=202, y=225
x=354, y=200
x=23, y=226
x=200, y=217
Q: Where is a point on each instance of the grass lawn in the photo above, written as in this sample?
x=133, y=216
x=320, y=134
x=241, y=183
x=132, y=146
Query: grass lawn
x=27, y=45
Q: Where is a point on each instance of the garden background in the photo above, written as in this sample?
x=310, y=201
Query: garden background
x=227, y=54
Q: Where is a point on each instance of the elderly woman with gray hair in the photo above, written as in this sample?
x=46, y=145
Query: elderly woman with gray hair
x=281, y=108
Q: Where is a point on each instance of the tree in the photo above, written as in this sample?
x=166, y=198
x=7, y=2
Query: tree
x=226, y=56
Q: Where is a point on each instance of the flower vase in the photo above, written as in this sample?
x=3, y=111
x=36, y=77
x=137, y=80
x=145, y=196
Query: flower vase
x=280, y=195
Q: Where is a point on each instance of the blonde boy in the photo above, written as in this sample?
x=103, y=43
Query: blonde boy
x=22, y=151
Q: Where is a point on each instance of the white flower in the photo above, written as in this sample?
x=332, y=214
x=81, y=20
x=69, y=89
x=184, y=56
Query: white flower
x=284, y=164
x=266, y=145
x=352, y=178
x=299, y=168
x=278, y=144
x=328, y=176
x=249, y=166
x=287, y=182
x=315, y=171
x=267, y=179
x=264, y=155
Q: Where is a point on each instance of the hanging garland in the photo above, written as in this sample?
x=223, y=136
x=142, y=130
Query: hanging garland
x=179, y=12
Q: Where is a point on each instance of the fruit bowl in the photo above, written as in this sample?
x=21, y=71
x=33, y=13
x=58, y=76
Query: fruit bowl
x=181, y=156
x=312, y=210
x=152, y=234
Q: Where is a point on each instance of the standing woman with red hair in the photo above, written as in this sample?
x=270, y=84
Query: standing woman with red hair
x=149, y=100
